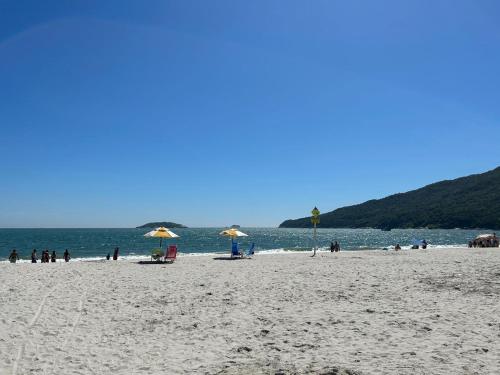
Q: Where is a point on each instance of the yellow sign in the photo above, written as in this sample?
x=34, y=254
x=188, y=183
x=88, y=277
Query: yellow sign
x=315, y=217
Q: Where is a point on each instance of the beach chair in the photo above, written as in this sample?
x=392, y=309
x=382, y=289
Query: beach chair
x=235, y=251
x=250, y=250
x=156, y=255
x=171, y=254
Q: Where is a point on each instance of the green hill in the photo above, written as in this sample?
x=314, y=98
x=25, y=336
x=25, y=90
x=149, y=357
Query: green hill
x=466, y=202
x=166, y=224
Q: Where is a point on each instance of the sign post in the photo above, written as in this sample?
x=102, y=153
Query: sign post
x=315, y=220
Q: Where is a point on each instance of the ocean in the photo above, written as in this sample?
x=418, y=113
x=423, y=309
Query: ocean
x=93, y=244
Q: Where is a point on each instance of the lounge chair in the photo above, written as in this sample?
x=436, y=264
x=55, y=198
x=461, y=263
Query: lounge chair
x=156, y=255
x=250, y=250
x=171, y=254
x=235, y=251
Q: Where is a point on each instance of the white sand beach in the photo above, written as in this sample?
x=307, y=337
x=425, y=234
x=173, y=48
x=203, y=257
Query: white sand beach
x=368, y=312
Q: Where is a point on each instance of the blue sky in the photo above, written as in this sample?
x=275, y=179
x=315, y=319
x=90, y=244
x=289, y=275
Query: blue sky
x=238, y=112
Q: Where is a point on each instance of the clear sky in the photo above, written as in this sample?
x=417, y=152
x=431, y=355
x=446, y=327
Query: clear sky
x=210, y=113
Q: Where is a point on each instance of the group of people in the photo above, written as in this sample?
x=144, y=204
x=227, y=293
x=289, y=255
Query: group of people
x=115, y=254
x=416, y=246
x=423, y=243
x=46, y=257
x=491, y=241
x=334, y=247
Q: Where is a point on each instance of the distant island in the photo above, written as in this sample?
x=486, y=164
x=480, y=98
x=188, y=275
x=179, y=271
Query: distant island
x=166, y=224
x=468, y=202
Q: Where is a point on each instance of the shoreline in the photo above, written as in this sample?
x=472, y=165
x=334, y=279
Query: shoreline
x=279, y=251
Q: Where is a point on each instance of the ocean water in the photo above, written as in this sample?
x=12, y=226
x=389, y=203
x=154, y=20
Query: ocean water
x=91, y=244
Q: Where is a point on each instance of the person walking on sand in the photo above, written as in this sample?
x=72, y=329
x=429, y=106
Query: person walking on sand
x=13, y=257
x=332, y=247
x=66, y=255
x=46, y=256
x=53, y=257
x=33, y=256
x=115, y=253
x=337, y=246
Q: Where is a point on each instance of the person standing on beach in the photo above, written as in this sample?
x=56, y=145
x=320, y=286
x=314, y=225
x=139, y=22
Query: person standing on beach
x=337, y=246
x=53, y=257
x=13, y=257
x=332, y=247
x=33, y=256
x=115, y=253
x=66, y=255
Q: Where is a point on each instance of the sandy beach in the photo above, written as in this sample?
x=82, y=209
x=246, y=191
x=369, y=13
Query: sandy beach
x=367, y=312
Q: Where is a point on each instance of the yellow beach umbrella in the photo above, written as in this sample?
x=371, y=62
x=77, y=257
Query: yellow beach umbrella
x=233, y=232
x=161, y=233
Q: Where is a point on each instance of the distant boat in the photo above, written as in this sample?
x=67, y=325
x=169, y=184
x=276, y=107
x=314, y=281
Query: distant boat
x=235, y=226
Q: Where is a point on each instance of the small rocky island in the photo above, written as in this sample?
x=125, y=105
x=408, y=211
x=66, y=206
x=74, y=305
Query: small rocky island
x=166, y=224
